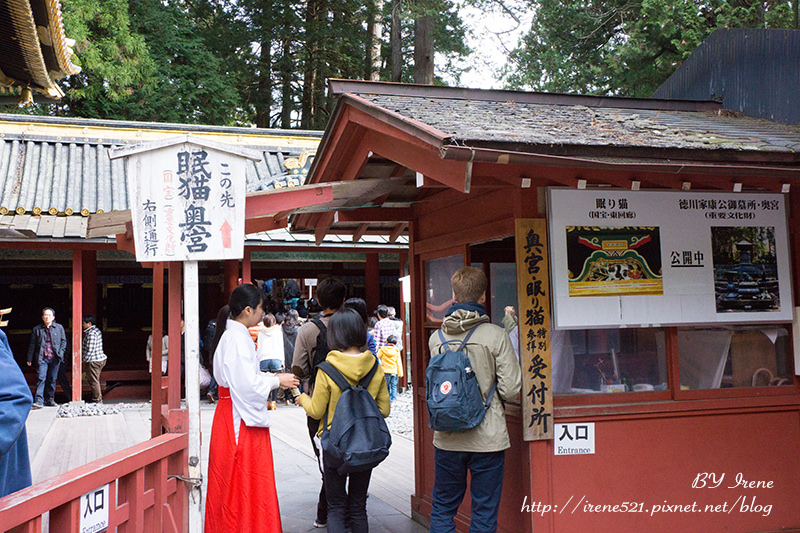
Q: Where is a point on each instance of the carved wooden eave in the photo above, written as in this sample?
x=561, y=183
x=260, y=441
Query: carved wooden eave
x=34, y=50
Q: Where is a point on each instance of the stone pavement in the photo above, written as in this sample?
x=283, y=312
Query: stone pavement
x=81, y=440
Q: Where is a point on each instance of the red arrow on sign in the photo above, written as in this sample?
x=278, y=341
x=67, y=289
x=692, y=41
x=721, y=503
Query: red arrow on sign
x=226, y=230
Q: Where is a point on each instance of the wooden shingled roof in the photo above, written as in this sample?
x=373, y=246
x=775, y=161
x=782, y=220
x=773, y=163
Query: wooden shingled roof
x=421, y=142
x=34, y=51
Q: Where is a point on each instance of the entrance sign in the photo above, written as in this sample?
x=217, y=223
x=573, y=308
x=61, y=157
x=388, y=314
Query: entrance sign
x=94, y=511
x=533, y=297
x=574, y=439
x=646, y=258
x=187, y=199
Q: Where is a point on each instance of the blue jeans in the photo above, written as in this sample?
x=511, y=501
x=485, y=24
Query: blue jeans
x=271, y=365
x=47, y=371
x=391, y=384
x=450, y=484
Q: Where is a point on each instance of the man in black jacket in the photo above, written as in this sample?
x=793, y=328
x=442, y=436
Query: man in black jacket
x=48, y=345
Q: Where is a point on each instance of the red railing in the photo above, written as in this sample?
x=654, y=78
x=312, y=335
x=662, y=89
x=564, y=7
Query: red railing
x=144, y=495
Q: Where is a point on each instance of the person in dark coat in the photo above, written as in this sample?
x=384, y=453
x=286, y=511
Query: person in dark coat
x=47, y=346
x=15, y=404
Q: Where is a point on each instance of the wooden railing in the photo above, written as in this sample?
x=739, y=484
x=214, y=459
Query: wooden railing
x=143, y=495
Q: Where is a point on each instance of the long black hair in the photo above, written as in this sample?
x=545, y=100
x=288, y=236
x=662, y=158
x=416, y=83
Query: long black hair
x=245, y=295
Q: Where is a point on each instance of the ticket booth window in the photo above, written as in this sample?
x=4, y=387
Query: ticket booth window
x=438, y=291
x=734, y=356
x=609, y=360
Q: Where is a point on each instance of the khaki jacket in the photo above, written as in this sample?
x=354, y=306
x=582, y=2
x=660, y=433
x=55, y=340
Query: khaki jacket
x=490, y=352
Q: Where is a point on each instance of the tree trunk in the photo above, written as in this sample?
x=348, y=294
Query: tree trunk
x=423, y=50
x=375, y=31
x=307, y=104
x=263, y=97
x=286, y=93
x=396, y=43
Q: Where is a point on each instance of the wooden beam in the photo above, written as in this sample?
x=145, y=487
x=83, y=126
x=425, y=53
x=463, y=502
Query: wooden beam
x=104, y=224
x=376, y=214
x=125, y=240
x=277, y=200
x=421, y=159
x=360, y=231
x=255, y=225
x=323, y=224
x=397, y=231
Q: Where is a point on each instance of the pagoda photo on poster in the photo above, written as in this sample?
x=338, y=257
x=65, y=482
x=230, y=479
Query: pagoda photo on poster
x=745, y=269
x=614, y=261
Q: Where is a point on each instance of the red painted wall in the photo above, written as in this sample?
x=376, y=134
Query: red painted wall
x=655, y=462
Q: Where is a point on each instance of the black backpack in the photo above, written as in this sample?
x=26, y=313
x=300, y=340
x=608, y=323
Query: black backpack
x=320, y=351
x=358, y=438
x=452, y=394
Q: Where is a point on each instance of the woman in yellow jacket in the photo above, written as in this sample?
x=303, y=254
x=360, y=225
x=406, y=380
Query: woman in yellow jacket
x=346, y=334
x=392, y=365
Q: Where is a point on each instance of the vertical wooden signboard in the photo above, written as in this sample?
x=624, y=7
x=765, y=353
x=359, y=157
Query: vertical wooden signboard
x=533, y=298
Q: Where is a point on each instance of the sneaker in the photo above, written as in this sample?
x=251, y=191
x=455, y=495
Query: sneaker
x=37, y=405
x=51, y=403
x=319, y=524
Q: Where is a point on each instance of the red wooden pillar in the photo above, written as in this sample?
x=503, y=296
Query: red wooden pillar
x=156, y=397
x=231, y=277
x=90, y=282
x=246, y=274
x=77, y=322
x=372, y=280
x=174, y=331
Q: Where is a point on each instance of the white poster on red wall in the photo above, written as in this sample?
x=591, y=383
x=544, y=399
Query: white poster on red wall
x=645, y=258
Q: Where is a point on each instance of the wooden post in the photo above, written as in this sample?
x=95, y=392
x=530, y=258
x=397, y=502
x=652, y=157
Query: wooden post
x=174, y=332
x=231, y=277
x=246, y=274
x=192, y=378
x=77, y=322
x=155, y=377
x=372, y=280
x=90, y=283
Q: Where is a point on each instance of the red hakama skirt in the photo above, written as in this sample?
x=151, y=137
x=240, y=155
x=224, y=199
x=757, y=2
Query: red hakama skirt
x=241, y=480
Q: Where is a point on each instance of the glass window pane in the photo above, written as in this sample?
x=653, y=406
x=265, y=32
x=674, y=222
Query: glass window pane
x=734, y=356
x=608, y=360
x=438, y=292
x=503, y=281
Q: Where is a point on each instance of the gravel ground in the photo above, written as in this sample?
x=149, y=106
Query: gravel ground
x=400, y=421
x=73, y=409
x=401, y=417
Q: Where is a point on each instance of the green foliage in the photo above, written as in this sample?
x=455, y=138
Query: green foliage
x=115, y=61
x=231, y=61
x=623, y=47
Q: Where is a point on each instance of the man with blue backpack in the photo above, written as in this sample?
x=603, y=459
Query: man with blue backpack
x=472, y=372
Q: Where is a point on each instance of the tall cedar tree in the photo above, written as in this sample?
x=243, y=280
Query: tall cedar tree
x=237, y=62
x=618, y=47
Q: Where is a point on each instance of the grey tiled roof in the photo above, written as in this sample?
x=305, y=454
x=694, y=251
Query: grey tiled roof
x=73, y=174
x=555, y=127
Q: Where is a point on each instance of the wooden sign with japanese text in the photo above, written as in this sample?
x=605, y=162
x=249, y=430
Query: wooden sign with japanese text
x=533, y=298
x=187, y=203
